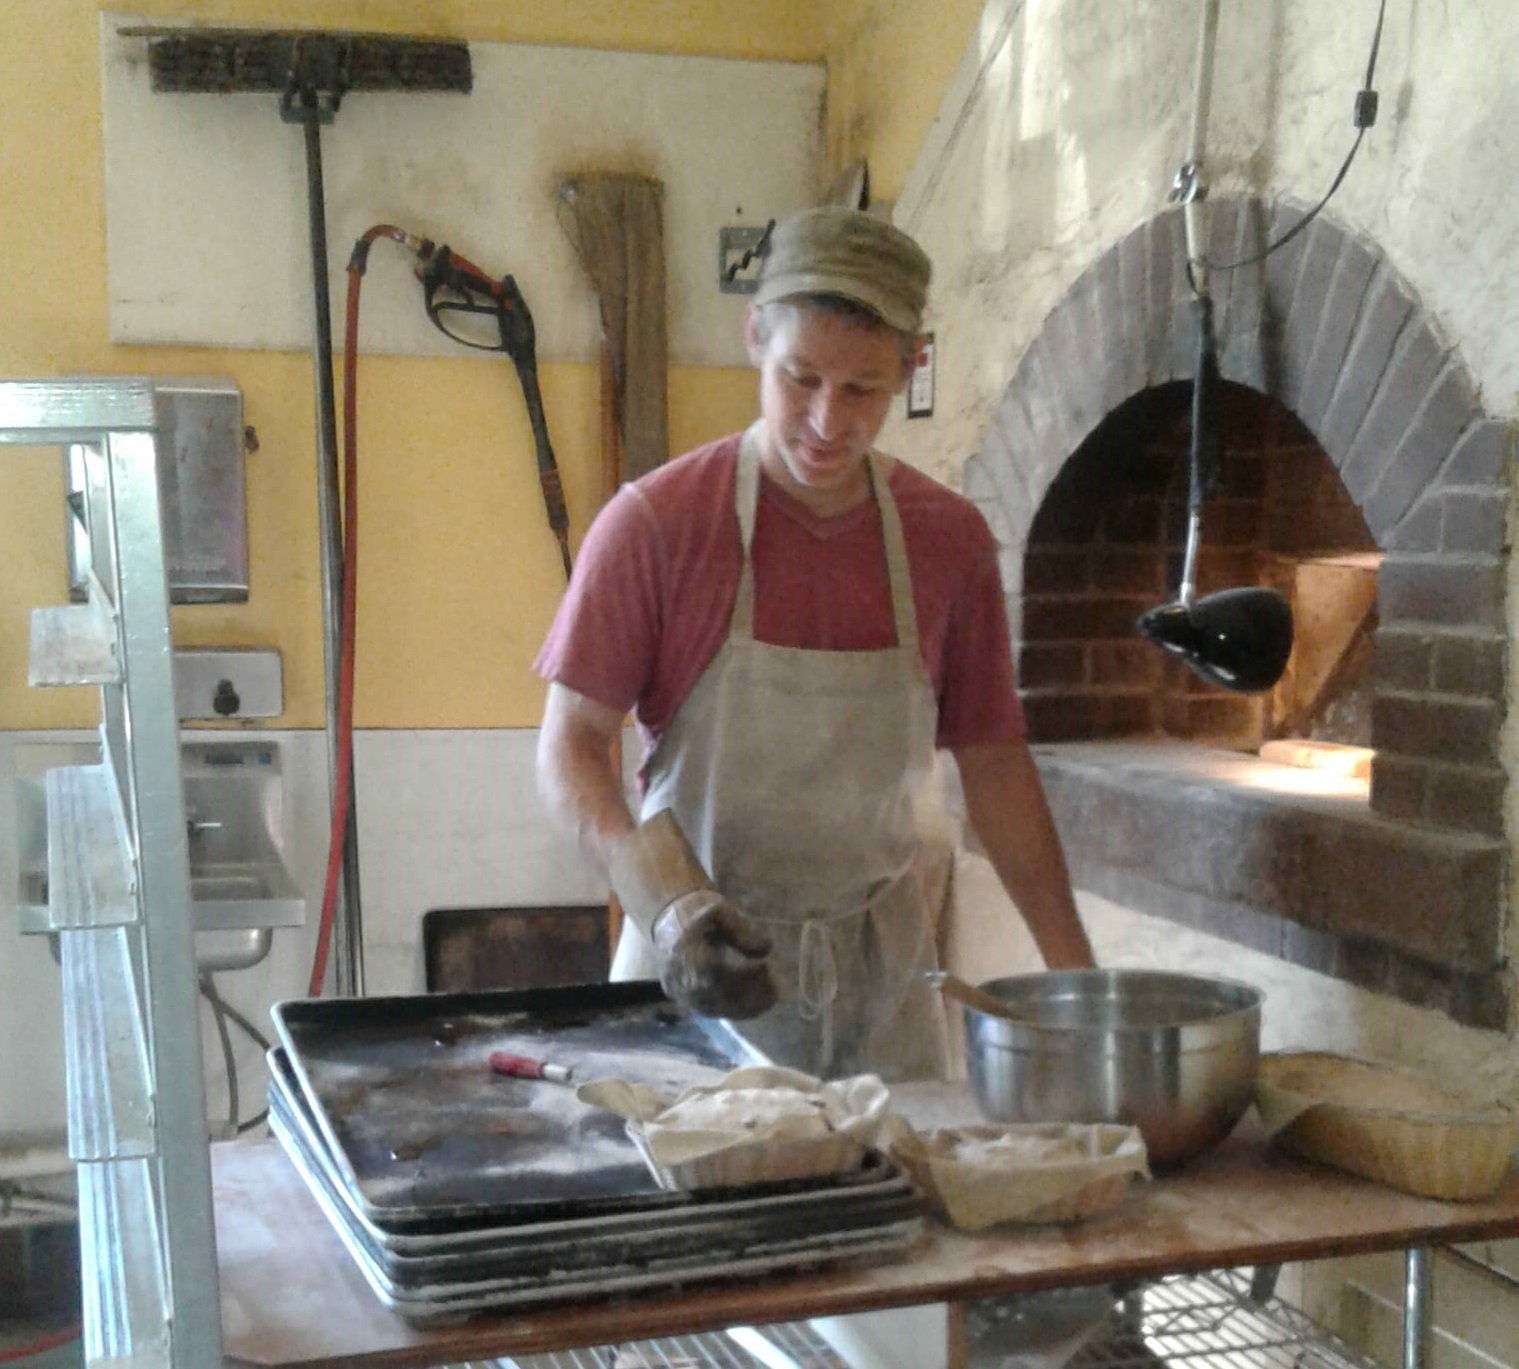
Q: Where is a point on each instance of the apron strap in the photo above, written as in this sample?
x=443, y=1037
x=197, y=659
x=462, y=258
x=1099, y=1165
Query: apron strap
x=904, y=610
x=746, y=501
x=817, y=970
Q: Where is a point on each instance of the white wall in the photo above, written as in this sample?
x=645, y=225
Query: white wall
x=1068, y=119
x=204, y=247
x=446, y=819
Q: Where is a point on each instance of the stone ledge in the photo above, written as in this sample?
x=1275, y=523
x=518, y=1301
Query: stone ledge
x=1470, y=998
x=1286, y=861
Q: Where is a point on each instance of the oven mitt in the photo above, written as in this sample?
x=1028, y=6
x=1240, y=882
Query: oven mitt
x=712, y=959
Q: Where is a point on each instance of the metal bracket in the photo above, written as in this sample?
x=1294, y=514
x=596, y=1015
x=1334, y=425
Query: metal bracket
x=1188, y=185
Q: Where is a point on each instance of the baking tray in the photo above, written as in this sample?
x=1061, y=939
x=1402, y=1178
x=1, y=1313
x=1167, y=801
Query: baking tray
x=438, y=1300
x=877, y=1191
x=420, y=1128
x=515, y=1265
x=555, y=1261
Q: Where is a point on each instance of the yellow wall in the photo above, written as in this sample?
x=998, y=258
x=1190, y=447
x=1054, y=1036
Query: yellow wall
x=889, y=64
x=458, y=578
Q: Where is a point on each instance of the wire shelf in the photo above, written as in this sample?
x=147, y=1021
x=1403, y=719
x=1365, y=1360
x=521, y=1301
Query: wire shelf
x=1226, y=1319
x=1219, y=1320
x=710, y=1350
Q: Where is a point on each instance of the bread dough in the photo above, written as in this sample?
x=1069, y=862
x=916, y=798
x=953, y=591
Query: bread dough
x=768, y=1110
x=1356, y=1084
x=1014, y=1151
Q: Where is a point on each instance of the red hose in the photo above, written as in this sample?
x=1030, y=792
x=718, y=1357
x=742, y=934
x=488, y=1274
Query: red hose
x=13, y=1354
x=343, y=781
x=342, y=784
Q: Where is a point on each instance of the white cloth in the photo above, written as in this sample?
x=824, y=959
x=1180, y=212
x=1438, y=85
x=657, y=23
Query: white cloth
x=758, y=1124
x=979, y=1176
x=796, y=775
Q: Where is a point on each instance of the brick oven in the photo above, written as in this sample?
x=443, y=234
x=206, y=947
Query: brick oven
x=1362, y=478
x=1107, y=543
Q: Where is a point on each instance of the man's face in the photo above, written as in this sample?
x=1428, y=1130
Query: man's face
x=826, y=383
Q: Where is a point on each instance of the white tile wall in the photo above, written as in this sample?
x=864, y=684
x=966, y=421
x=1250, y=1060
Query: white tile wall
x=450, y=820
x=446, y=819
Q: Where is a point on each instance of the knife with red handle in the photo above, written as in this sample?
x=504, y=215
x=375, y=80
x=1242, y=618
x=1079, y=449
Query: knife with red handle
x=525, y=1067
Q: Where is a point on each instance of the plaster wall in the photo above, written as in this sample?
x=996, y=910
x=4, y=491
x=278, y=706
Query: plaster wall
x=888, y=66
x=1065, y=123
x=1061, y=132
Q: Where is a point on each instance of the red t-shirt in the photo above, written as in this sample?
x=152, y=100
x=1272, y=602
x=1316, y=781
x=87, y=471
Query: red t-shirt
x=654, y=584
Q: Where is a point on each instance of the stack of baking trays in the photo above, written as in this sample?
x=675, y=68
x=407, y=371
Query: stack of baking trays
x=457, y=1189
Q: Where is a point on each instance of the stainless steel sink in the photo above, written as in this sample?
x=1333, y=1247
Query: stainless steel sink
x=234, y=828
x=233, y=897
x=233, y=814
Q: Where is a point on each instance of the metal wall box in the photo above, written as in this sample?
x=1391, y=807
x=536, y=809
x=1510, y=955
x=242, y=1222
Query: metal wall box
x=202, y=490
x=228, y=682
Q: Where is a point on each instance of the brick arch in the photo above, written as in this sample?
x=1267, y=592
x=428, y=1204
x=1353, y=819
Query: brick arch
x=1328, y=328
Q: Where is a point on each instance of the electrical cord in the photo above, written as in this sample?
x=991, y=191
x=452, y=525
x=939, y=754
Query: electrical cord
x=260, y=1040
x=224, y=1012
x=1365, y=116
x=254, y=1034
x=761, y=248
x=218, y=1012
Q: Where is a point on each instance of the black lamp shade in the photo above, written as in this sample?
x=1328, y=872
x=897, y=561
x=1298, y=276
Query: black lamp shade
x=1237, y=638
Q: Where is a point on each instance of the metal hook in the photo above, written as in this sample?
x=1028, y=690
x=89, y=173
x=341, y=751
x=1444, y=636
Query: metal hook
x=1187, y=185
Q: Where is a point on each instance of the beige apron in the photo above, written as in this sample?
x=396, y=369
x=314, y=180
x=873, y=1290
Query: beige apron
x=794, y=774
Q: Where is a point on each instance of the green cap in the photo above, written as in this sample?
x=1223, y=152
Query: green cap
x=844, y=252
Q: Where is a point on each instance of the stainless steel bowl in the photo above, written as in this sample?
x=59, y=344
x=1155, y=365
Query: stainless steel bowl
x=1173, y=1054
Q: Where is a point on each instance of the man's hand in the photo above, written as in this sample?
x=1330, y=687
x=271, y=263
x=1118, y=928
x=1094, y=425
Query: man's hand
x=712, y=959
x=1008, y=811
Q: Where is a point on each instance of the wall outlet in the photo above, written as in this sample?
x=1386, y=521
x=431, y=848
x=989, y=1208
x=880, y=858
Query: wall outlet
x=738, y=259
x=228, y=682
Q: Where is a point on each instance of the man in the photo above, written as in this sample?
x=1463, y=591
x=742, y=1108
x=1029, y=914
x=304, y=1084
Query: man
x=796, y=622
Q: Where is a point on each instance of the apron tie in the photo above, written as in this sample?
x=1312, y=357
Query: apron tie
x=817, y=985
x=817, y=973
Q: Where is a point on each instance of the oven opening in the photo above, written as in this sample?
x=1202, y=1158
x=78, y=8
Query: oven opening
x=1107, y=543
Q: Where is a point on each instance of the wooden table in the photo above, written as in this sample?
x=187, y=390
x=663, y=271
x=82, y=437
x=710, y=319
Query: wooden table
x=291, y=1295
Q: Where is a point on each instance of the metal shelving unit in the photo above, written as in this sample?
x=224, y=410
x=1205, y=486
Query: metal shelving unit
x=119, y=900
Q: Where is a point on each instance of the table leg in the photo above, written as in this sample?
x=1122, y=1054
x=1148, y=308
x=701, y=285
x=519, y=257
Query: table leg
x=956, y=1338
x=1418, y=1307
